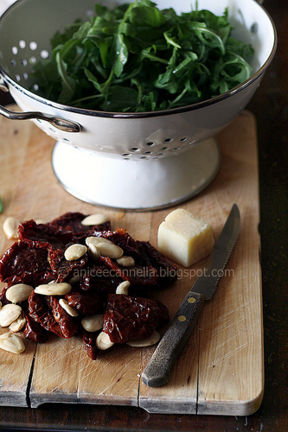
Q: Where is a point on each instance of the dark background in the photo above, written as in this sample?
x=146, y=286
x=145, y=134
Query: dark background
x=270, y=106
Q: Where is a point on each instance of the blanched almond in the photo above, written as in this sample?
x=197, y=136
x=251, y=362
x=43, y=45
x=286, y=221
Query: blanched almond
x=105, y=247
x=12, y=343
x=122, y=288
x=18, y=293
x=96, y=240
x=70, y=311
x=149, y=341
x=10, y=227
x=95, y=219
x=109, y=250
x=126, y=261
x=103, y=341
x=18, y=324
x=92, y=323
x=9, y=313
x=93, y=251
x=53, y=289
x=75, y=251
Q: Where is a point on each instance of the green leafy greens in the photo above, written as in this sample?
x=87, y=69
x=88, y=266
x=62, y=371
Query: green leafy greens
x=136, y=57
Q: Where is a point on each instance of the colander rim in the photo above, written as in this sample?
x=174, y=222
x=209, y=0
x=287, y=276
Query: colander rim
x=145, y=114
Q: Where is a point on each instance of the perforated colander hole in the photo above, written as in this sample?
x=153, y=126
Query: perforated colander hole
x=150, y=143
x=89, y=12
x=24, y=62
x=164, y=148
x=175, y=149
x=18, y=77
x=36, y=87
x=33, y=60
x=143, y=157
x=25, y=75
x=13, y=62
x=183, y=139
x=33, y=45
x=14, y=50
x=125, y=154
x=147, y=152
x=159, y=154
x=44, y=54
x=167, y=140
x=67, y=140
x=134, y=149
x=22, y=44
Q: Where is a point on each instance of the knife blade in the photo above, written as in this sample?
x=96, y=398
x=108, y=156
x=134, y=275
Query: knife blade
x=157, y=372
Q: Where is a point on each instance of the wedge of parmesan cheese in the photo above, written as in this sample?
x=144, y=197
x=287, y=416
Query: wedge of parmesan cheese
x=185, y=239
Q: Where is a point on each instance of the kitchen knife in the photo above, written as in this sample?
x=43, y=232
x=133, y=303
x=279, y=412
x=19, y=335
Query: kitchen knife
x=158, y=370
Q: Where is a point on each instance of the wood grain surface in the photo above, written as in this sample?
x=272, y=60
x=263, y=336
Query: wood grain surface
x=221, y=368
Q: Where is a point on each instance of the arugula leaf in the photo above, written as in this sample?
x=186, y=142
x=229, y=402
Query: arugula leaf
x=136, y=57
x=1, y=206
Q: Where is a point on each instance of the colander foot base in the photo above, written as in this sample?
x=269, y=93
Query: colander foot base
x=135, y=185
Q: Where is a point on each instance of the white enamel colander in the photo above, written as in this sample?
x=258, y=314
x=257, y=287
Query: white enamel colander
x=126, y=160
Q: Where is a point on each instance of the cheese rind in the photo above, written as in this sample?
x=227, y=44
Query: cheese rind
x=185, y=239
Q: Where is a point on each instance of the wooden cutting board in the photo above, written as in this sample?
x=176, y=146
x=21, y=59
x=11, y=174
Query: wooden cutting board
x=221, y=369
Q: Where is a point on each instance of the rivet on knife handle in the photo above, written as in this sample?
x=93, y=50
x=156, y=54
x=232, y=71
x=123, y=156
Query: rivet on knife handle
x=158, y=371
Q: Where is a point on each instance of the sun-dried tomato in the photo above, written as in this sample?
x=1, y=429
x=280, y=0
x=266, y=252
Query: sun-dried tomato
x=89, y=340
x=26, y=262
x=70, y=223
x=44, y=233
x=68, y=325
x=129, y=318
x=3, y=298
x=167, y=272
x=97, y=278
x=151, y=268
x=34, y=331
x=39, y=312
x=86, y=304
x=65, y=269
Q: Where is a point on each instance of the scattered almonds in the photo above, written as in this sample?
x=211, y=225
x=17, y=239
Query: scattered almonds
x=126, y=261
x=18, y=324
x=70, y=311
x=105, y=247
x=12, y=343
x=149, y=341
x=95, y=219
x=18, y=293
x=9, y=313
x=75, y=252
x=122, y=288
x=103, y=341
x=92, y=323
x=10, y=227
x=53, y=289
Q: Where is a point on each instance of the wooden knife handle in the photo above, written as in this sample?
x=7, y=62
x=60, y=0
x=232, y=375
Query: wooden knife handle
x=157, y=372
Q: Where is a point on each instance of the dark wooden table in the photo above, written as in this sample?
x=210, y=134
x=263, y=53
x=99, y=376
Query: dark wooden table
x=270, y=106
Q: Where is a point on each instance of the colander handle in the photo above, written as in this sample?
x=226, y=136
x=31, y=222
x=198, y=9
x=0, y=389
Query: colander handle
x=57, y=122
